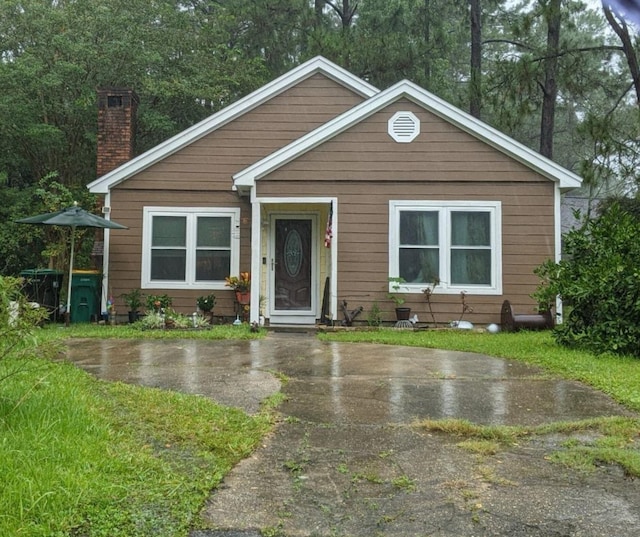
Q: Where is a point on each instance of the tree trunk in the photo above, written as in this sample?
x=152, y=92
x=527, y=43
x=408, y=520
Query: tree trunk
x=550, y=88
x=427, y=44
x=622, y=31
x=345, y=12
x=318, y=9
x=475, y=88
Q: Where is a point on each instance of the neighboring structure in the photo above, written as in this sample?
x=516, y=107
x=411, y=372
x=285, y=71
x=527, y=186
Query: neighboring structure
x=323, y=188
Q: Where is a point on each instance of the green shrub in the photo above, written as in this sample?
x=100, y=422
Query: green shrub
x=171, y=319
x=206, y=303
x=158, y=303
x=18, y=318
x=374, y=317
x=599, y=283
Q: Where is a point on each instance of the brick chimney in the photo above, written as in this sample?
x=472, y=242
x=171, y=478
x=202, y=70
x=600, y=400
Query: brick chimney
x=117, y=110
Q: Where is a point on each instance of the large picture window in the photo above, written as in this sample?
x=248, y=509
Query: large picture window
x=456, y=243
x=189, y=247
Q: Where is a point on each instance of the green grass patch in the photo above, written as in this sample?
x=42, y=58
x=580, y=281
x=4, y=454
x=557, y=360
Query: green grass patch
x=109, y=459
x=615, y=440
x=404, y=483
x=131, y=331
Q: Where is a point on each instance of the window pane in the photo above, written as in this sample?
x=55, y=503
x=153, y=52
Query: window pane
x=470, y=228
x=168, y=264
x=419, y=265
x=169, y=231
x=419, y=228
x=214, y=232
x=471, y=267
x=212, y=265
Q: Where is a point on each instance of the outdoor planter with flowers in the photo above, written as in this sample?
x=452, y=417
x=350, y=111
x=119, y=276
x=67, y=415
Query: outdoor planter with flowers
x=133, y=299
x=158, y=303
x=241, y=285
x=206, y=303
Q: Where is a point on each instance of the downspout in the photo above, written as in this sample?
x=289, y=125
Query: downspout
x=256, y=258
x=558, y=240
x=334, y=261
x=105, y=257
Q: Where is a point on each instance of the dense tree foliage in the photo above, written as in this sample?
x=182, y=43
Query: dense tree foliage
x=55, y=54
x=554, y=74
x=599, y=283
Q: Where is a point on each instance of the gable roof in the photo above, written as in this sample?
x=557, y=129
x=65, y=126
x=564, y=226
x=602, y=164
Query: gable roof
x=245, y=179
x=229, y=113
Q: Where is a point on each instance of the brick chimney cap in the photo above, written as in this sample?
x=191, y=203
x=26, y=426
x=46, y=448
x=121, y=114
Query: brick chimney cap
x=117, y=90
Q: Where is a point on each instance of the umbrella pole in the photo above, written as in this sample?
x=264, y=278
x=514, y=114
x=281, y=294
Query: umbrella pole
x=68, y=312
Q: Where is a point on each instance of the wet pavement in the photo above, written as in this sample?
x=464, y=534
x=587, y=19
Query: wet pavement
x=347, y=458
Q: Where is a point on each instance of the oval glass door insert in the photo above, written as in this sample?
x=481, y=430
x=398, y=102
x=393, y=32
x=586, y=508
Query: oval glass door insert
x=293, y=252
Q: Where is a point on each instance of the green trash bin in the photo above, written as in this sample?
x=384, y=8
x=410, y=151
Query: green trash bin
x=43, y=286
x=85, y=295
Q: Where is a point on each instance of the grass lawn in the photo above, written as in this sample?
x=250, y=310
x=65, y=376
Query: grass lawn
x=79, y=456
x=83, y=457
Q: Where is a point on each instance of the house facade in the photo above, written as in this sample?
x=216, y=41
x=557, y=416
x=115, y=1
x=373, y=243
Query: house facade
x=323, y=188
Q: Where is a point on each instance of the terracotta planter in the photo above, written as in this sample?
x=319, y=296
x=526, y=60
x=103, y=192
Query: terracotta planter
x=243, y=297
x=402, y=314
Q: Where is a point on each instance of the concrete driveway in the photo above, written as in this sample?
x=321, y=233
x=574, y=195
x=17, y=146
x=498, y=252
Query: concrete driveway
x=347, y=460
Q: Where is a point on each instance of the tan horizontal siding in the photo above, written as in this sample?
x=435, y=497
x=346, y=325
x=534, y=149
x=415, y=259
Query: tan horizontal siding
x=444, y=151
x=364, y=169
x=362, y=243
x=515, y=196
x=441, y=151
x=409, y=175
x=126, y=245
x=209, y=163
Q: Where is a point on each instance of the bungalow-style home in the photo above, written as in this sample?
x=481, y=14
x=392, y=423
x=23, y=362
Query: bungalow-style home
x=324, y=188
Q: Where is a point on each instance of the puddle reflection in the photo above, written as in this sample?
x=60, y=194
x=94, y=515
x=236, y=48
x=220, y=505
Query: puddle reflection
x=347, y=382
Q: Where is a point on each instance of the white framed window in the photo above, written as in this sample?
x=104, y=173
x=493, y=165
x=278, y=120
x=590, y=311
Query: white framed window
x=189, y=247
x=457, y=242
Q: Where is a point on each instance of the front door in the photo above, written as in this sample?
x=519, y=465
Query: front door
x=293, y=287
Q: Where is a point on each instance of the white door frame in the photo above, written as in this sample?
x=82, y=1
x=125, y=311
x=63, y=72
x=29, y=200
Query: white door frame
x=261, y=220
x=293, y=316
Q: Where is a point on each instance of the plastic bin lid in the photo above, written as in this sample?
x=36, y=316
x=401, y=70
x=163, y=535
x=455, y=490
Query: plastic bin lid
x=39, y=272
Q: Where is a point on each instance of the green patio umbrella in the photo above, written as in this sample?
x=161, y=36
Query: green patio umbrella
x=72, y=217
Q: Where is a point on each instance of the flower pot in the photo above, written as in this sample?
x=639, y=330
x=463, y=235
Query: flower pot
x=402, y=314
x=243, y=297
x=133, y=316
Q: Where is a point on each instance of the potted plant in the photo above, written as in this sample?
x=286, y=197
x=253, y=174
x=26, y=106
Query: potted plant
x=206, y=304
x=402, y=312
x=158, y=303
x=241, y=285
x=133, y=300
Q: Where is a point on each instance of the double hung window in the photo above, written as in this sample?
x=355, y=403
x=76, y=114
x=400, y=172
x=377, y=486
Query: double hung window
x=456, y=244
x=189, y=247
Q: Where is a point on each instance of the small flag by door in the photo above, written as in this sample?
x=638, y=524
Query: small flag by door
x=328, y=234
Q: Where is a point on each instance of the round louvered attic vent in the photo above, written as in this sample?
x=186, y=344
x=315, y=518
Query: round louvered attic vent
x=404, y=127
